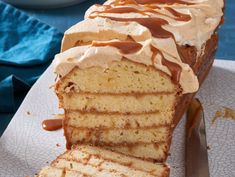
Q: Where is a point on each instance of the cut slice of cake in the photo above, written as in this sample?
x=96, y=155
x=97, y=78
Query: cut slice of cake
x=129, y=70
x=128, y=108
x=88, y=161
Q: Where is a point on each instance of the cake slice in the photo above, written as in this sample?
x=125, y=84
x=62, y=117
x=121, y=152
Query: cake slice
x=129, y=70
x=84, y=161
x=128, y=108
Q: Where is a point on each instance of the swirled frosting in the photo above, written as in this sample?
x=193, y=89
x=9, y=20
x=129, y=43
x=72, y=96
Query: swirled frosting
x=151, y=30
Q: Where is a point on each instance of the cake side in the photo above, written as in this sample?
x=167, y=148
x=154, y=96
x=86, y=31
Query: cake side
x=202, y=69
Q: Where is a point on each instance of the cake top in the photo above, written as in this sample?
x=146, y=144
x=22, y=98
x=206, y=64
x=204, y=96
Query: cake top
x=144, y=31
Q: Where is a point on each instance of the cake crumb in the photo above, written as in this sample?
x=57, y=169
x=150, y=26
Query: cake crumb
x=28, y=113
x=58, y=145
x=208, y=147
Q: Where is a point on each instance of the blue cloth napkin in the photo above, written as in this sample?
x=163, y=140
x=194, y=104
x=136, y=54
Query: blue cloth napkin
x=27, y=47
x=226, y=48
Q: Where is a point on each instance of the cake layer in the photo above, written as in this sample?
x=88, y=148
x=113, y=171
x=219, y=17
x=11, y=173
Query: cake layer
x=111, y=137
x=119, y=77
x=93, y=161
x=149, y=151
x=115, y=120
x=124, y=103
x=60, y=172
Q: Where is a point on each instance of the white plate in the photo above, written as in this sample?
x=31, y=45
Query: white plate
x=45, y=4
x=25, y=147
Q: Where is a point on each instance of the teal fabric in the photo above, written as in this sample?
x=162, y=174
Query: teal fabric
x=226, y=48
x=27, y=47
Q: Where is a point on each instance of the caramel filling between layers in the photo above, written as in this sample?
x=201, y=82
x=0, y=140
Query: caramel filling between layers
x=120, y=128
x=97, y=142
x=110, y=113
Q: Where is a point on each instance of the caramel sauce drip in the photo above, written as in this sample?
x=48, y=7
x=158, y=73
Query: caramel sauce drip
x=153, y=24
x=125, y=47
x=155, y=52
x=179, y=16
x=110, y=9
x=170, y=2
x=144, y=2
x=124, y=2
x=174, y=68
x=52, y=124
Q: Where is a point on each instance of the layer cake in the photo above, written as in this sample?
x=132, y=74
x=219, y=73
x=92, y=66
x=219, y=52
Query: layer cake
x=128, y=71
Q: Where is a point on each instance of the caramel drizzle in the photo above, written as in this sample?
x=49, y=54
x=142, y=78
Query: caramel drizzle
x=124, y=2
x=125, y=47
x=174, y=68
x=177, y=15
x=169, y=2
x=144, y=2
x=153, y=24
x=110, y=9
